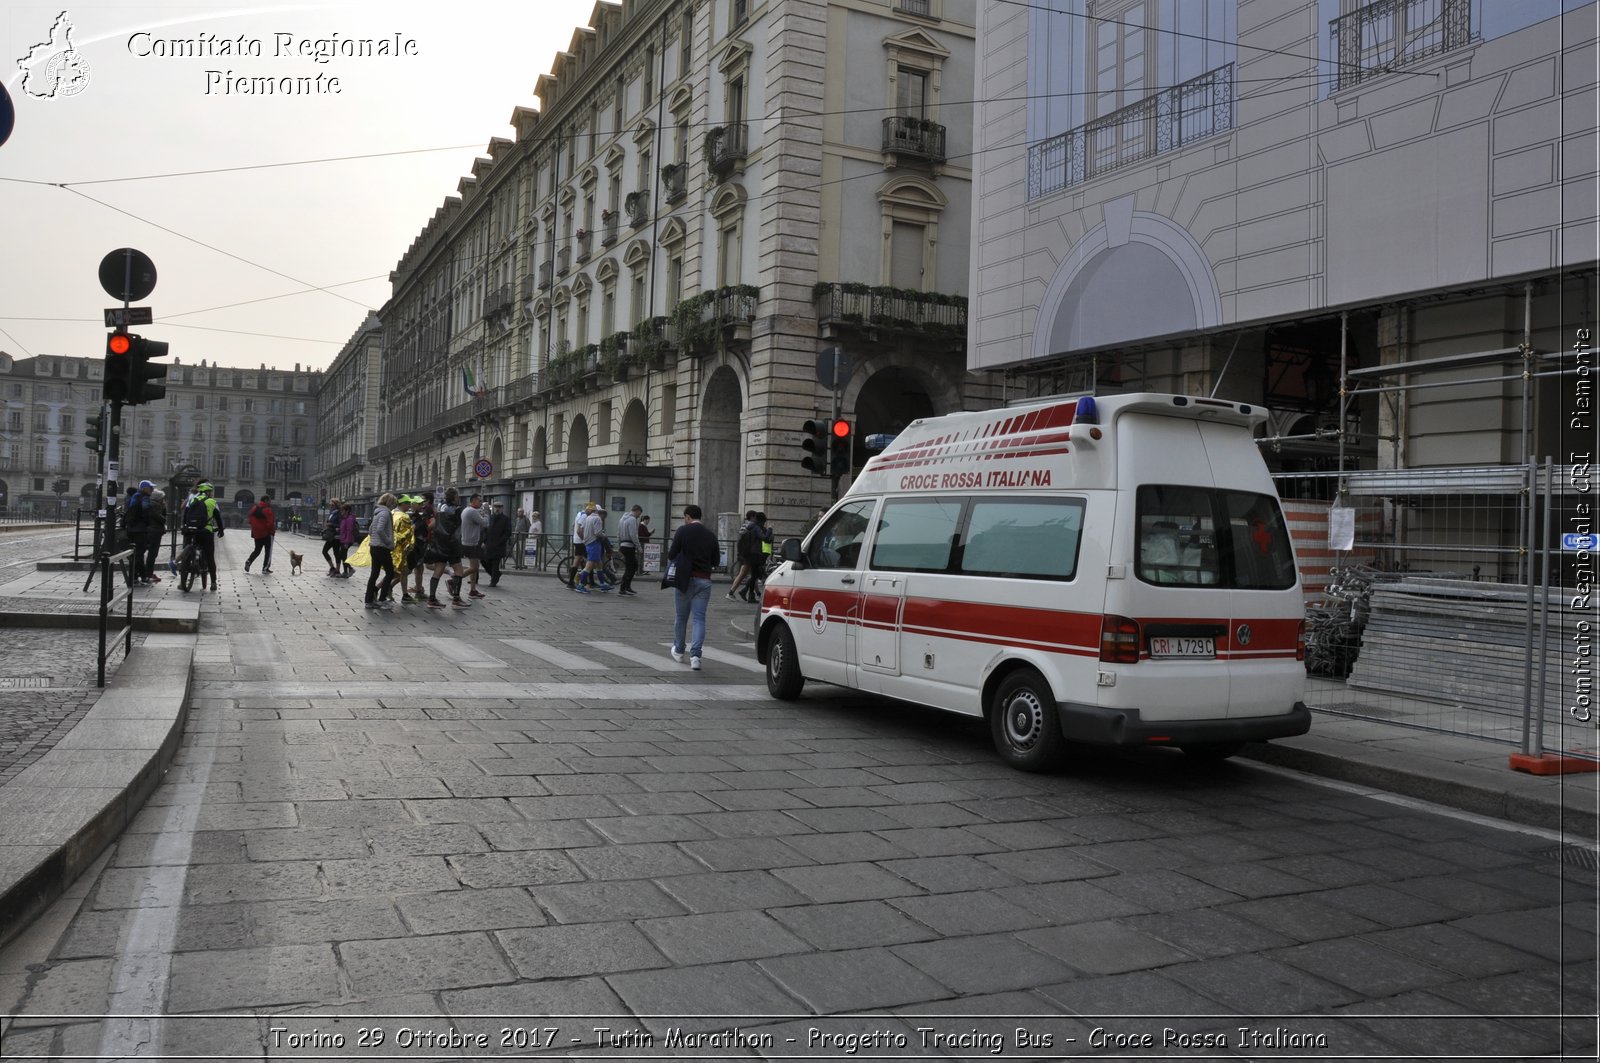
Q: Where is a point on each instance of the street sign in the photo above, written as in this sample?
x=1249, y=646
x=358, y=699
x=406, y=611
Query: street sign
x=122, y=317
x=483, y=468
x=127, y=274
x=826, y=360
x=1574, y=541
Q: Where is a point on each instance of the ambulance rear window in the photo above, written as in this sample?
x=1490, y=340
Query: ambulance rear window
x=1204, y=537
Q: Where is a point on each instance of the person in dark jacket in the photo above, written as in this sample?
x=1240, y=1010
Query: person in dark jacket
x=330, y=537
x=694, y=553
x=380, y=546
x=263, y=526
x=136, y=523
x=495, y=538
x=155, y=530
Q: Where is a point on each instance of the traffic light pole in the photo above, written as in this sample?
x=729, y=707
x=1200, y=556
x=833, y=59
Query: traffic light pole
x=833, y=473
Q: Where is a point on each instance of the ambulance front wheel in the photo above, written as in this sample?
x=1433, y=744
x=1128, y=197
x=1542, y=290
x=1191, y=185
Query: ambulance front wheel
x=784, y=680
x=1025, y=722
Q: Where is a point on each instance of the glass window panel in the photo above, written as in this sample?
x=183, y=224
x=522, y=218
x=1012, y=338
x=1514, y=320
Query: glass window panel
x=1176, y=537
x=837, y=543
x=916, y=535
x=1030, y=539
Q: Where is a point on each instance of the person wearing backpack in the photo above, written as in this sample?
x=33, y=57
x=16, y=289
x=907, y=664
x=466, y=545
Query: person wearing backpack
x=202, y=527
x=263, y=525
x=136, y=523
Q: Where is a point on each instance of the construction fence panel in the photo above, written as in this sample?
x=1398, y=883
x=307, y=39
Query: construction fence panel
x=1419, y=606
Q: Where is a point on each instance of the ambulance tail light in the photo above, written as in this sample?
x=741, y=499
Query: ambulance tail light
x=1300, y=642
x=1119, y=640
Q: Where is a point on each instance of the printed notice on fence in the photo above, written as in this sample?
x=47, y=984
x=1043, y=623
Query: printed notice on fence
x=1341, y=528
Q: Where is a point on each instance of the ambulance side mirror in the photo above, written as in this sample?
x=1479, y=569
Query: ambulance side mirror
x=791, y=552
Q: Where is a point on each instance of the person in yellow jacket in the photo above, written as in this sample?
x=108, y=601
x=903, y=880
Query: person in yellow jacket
x=405, y=538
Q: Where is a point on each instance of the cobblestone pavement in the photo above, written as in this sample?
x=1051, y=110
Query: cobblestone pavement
x=19, y=550
x=473, y=820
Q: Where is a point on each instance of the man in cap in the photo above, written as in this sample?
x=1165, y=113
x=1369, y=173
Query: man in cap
x=136, y=522
x=628, y=542
x=474, y=522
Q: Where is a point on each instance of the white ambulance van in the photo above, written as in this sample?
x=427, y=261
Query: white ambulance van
x=1111, y=571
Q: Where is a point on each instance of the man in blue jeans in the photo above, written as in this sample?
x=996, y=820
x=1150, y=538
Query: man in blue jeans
x=695, y=551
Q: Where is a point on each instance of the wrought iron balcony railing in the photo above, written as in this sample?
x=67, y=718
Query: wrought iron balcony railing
x=923, y=8
x=897, y=309
x=727, y=146
x=1389, y=34
x=1198, y=108
x=637, y=204
x=497, y=301
x=675, y=180
x=563, y=259
x=919, y=138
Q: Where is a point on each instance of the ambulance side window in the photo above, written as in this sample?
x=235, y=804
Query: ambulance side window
x=837, y=543
x=1177, y=538
x=915, y=535
x=1024, y=538
x=1262, y=558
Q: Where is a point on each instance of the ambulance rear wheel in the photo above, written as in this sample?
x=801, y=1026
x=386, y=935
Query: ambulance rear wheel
x=1024, y=722
x=784, y=680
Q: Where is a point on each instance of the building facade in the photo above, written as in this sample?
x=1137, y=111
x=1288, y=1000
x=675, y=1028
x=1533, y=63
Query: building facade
x=348, y=415
x=628, y=299
x=249, y=431
x=1267, y=201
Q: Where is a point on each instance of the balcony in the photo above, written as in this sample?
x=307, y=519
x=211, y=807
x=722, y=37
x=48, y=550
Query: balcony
x=726, y=148
x=585, y=244
x=908, y=137
x=1177, y=117
x=711, y=320
x=675, y=181
x=1390, y=34
x=919, y=8
x=608, y=228
x=544, y=275
x=498, y=301
x=637, y=204
x=892, y=309
x=563, y=261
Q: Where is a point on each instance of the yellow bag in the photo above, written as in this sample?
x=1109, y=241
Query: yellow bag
x=361, y=556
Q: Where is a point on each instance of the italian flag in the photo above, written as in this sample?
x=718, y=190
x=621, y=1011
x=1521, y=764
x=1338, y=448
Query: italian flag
x=470, y=381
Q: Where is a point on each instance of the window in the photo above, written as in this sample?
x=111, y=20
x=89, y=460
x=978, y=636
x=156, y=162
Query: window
x=199, y=402
x=222, y=402
x=616, y=106
x=669, y=409
x=735, y=100
x=916, y=535
x=674, y=280
x=246, y=467
x=1023, y=538
x=905, y=250
x=911, y=92
x=648, y=86
x=1179, y=545
x=837, y=543
x=728, y=261
x=686, y=43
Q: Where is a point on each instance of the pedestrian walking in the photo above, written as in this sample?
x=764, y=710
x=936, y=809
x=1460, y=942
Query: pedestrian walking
x=421, y=530
x=579, y=554
x=520, y=526
x=495, y=538
x=628, y=542
x=349, y=531
x=692, y=554
x=593, y=534
x=536, y=533
x=444, y=552
x=380, y=547
x=263, y=526
x=474, y=522
x=330, y=536
x=405, y=540
x=746, y=546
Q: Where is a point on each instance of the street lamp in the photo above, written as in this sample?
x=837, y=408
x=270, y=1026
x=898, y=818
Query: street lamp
x=283, y=462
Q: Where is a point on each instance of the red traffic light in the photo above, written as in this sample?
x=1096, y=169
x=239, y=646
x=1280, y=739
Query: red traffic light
x=841, y=429
x=118, y=343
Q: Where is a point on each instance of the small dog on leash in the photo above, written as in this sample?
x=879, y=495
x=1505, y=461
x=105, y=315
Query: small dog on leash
x=295, y=561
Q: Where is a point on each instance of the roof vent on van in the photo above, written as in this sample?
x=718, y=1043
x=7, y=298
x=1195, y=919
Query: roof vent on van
x=1087, y=412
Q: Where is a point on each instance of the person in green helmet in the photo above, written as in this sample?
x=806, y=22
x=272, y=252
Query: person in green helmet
x=201, y=526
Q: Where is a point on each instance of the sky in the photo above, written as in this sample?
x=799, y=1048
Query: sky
x=257, y=262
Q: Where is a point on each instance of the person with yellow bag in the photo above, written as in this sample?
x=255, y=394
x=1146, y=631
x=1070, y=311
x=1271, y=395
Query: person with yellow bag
x=380, y=550
x=404, y=539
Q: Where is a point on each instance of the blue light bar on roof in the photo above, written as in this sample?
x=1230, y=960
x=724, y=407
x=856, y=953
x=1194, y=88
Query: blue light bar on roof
x=1087, y=412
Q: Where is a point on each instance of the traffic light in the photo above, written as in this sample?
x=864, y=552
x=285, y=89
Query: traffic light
x=839, y=447
x=60, y=487
x=146, y=376
x=96, y=428
x=115, y=388
x=814, y=441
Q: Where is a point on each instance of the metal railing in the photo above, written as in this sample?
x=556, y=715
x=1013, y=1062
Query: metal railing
x=920, y=138
x=109, y=599
x=727, y=145
x=1390, y=34
x=675, y=180
x=1197, y=108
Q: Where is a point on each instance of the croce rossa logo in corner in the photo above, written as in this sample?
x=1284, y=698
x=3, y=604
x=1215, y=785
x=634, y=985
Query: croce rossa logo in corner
x=54, y=68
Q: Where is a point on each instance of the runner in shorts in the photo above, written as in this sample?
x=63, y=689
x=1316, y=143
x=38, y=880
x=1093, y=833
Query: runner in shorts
x=444, y=552
x=421, y=522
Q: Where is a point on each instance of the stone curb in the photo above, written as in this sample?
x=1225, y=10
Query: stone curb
x=63, y=810
x=1551, y=807
x=176, y=618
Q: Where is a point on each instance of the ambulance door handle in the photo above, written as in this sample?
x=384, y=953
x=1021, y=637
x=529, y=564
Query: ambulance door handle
x=848, y=579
